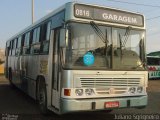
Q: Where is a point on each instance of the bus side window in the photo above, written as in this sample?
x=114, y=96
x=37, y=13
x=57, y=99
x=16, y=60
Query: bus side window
x=35, y=47
x=18, y=51
x=45, y=38
x=31, y=39
x=15, y=46
x=14, y=42
x=11, y=42
x=22, y=43
x=8, y=48
x=34, y=35
x=26, y=48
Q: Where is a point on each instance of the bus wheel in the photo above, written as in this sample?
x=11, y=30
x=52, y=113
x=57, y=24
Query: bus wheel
x=42, y=97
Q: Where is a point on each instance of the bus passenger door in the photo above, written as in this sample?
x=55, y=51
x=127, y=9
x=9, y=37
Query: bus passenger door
x=55, y=69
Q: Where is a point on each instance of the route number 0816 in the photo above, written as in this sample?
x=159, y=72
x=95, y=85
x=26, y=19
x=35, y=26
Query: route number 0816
x=84, y=13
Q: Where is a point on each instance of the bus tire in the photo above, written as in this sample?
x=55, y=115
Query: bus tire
x=42, y=97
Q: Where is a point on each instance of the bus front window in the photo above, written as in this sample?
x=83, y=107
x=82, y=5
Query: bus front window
x=110, y=48
x=128, y=48
x=84, y=41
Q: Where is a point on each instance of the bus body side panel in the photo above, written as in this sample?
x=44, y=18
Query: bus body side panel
x=34, y=68
x=16, y=77
x=11, y=65
x=32, y=73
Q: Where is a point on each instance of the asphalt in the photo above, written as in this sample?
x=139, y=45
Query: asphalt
x=16, y=104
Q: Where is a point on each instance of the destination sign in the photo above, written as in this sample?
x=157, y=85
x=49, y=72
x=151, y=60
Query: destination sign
x=108, y=15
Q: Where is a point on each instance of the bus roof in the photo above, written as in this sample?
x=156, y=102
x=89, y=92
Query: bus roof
x=156, y=53
x=153, y=56
x=62, y=8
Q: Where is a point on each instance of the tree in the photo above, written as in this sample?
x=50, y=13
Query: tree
x=1, y=62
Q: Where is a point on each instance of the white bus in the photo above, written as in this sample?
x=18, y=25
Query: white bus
x=81, y=57
x=153, y=63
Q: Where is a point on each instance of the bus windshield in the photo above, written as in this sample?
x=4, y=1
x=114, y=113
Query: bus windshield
x=120, y=48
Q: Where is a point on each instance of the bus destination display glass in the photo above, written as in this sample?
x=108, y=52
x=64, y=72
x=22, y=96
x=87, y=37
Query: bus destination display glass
x=108, y=15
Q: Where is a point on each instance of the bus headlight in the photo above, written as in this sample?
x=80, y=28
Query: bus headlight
x=79, y=92
x=89, y=92
x=132, y=90
x=139, y=89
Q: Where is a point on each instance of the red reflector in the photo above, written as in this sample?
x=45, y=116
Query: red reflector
x=67, y=92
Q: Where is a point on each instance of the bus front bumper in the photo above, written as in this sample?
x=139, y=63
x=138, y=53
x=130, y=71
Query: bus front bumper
x=75, y=105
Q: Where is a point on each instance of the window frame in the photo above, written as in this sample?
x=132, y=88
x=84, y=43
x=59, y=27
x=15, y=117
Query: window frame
x=27, y=41
x=45, y=41
x=35, y=45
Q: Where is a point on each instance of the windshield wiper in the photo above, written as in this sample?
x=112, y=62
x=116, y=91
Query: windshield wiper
x=98, y=32
x=123, y=42
x=126, y=36
x=120, y=41
x=104, y=39
x=143, y=64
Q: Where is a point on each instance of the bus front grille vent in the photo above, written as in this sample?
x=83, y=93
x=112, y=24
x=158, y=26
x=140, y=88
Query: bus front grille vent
x=110, y=86
x=109, y=82
x=108, y=91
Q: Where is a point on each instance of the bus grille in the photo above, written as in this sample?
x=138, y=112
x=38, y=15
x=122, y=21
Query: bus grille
x=109, y=82
x=107, y=91
x=108, y=86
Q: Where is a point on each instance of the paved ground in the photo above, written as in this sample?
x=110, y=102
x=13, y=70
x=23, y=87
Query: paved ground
x=15, y=104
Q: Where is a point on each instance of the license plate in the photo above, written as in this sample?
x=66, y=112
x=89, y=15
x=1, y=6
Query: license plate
x=114, y=104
